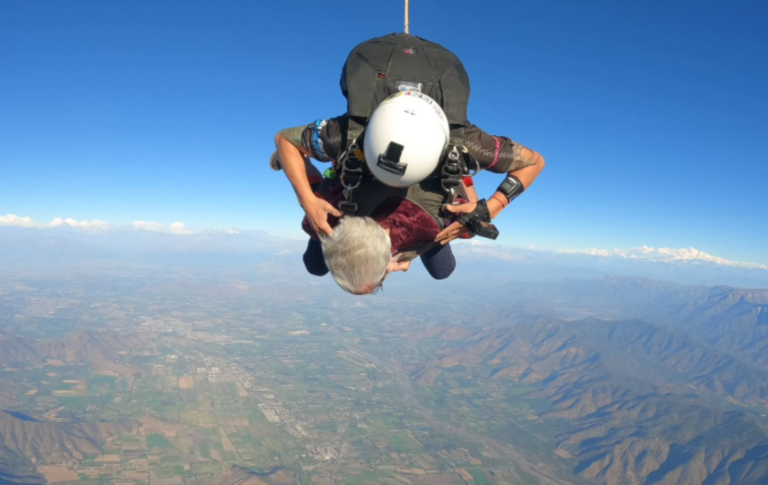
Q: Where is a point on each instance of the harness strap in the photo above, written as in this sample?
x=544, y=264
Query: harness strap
x=452, y=174
x=455, y=167
x=351, y=164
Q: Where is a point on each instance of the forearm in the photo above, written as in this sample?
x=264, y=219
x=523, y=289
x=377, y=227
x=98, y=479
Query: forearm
x=292, y=161
x=525, y=175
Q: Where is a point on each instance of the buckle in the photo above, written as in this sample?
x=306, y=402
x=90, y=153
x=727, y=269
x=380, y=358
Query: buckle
x=451, y=175
x=450, y=184
x=347, y=207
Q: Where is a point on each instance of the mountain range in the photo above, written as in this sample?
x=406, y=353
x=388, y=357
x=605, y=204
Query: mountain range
x=97, y=349
x=668, y=386
x=652, y=382
x=65, y=246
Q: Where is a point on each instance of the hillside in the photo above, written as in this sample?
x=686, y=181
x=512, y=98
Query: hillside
x=28, y=442
x=98, y=349
x=645, y=404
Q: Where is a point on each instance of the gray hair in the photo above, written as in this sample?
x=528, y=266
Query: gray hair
x=357, y=254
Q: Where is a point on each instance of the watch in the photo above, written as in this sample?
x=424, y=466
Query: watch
x=511, y=187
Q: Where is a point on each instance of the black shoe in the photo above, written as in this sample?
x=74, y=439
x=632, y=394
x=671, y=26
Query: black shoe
x=274, y=162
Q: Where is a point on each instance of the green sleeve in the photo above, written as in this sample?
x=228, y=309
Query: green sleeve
x=293, y=135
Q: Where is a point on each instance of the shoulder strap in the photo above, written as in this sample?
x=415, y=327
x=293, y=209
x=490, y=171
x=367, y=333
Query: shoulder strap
x=350, y=164
x=459, y=163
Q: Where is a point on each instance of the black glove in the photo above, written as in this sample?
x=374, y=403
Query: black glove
x=478, y=222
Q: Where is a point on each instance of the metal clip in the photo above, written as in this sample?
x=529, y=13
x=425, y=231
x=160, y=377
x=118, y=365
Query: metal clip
x=351, y=180
x=351, y=169
x=451, y=172
x=469, y=157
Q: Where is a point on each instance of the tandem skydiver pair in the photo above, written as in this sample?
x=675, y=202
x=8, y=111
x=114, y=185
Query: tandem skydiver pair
x=402, y=160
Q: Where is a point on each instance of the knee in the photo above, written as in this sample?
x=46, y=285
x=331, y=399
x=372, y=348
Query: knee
x=313, y=260
x=444, y=271
x=314, y=268
x=439, y=262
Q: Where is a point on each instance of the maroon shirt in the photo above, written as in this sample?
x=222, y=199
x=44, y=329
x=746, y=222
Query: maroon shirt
x=409, y=225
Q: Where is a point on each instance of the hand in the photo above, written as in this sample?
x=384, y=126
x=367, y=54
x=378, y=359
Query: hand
x=317, y=211
x=398, y=266
x=456, y=229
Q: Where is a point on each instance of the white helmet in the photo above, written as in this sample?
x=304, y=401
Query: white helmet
x=405, y=138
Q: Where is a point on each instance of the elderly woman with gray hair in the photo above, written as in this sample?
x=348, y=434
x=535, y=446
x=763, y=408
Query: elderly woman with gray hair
x=357, y=253
x=360, y=251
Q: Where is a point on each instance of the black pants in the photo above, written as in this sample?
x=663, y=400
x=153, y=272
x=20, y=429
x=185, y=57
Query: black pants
x=439, y=261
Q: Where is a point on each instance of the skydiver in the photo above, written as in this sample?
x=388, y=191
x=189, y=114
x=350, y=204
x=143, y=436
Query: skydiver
x=394, y=192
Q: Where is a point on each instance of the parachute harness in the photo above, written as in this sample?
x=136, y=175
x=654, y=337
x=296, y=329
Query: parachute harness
x=453, y=172
x=477, y=222
x=351, y=177
x=452, y=175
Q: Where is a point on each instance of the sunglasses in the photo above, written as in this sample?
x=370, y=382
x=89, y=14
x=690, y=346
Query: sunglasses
x=380, y=286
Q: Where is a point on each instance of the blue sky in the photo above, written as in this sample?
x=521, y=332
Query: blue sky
x=652, y=116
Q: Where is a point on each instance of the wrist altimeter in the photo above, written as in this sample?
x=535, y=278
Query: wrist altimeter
x=511, y=187
x=478, y=222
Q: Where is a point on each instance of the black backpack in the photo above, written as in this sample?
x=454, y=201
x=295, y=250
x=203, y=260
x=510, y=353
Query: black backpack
x=374, y=68
x=373, y=71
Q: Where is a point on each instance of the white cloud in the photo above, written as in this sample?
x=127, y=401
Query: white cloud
x=94, y=224
x=175, y=228
x=14, y=220
x=149, y=226
x=666, y=255
x=178, y=228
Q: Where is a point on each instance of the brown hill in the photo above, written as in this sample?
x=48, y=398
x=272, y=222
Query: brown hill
x=646, y=404
x=734, y=320
x=99, y=349
x=28, y=442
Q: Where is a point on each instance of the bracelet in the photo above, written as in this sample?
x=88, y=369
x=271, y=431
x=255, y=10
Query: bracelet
x=500, y=199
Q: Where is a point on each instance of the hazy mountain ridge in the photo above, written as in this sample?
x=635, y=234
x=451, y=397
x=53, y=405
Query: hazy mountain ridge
x=734, y=320
x=660, y=383
x=47, y=441
x=537, y=265
x=66, y=246
x=655, y=440
x=65, y=239
x=624, y=427
x=99, y=349
x=652, y=401
x=27, y=443
x=704, y=367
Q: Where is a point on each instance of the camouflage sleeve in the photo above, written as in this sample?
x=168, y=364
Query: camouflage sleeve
x=293, y=134
x=496, y=154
